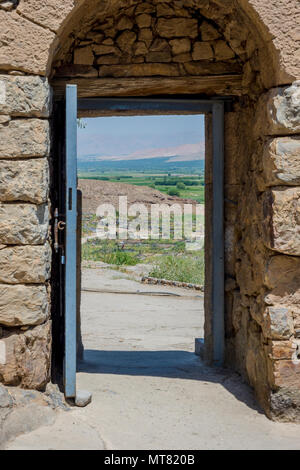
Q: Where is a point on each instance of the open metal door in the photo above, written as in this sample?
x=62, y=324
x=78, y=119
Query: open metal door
x=70, y=256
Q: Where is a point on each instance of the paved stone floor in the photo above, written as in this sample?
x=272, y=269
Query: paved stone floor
x=149, y=389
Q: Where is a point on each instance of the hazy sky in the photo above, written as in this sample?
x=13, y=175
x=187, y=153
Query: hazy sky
x=112, y=136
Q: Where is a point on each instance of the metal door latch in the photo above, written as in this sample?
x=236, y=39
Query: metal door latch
x=58, y=225
x=61, y=225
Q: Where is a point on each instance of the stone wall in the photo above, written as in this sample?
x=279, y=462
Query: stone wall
x=121, y=39
x=279, y=199
x=162, y=39
x=25, y=254
x=262, y=248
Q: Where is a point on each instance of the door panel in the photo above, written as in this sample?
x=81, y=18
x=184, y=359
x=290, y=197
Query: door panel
x=70, y=301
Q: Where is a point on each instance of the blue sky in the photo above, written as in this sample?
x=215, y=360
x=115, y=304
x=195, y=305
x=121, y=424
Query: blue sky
x=111, y=136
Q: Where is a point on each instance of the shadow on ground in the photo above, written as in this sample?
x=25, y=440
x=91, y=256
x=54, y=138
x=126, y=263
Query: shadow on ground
x=170, y=364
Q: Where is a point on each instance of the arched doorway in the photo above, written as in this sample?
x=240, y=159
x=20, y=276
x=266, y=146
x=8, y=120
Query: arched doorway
x=172, y=49
x=246, y=49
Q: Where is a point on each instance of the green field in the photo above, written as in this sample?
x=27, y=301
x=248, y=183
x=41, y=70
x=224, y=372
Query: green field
x=182, y=185
x=169, y=258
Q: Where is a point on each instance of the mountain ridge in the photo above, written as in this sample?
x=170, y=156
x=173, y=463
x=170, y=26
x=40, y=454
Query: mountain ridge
x=179, y=153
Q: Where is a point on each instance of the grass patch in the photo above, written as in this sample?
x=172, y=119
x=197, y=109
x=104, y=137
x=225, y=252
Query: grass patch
x=108, y=253
x=169, y=257
x=182, y=268
x=121, y=258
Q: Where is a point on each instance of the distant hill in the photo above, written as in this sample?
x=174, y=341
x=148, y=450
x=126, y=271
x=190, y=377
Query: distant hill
x=145, y=164
x=185, y=152
x=104, y=192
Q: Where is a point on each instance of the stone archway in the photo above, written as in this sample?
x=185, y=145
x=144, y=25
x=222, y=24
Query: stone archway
x=240, y=48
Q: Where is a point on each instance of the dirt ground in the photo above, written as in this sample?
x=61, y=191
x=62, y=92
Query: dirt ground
x=104, y=192
x=150, y=391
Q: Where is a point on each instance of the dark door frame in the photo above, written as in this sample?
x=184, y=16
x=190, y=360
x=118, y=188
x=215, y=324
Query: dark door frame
x=216, y=107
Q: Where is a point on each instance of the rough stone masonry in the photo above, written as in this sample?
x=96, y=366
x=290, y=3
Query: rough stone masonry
x=160, y=47
x=25, y=252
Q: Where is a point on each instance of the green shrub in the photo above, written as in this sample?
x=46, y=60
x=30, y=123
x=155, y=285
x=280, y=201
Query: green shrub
x=182, y=268
x=173, y=192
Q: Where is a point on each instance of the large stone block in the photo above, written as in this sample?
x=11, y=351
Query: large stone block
x=180, y=46
x=24, y=180
x=282, y=350
x=23, y=305
x=47, y=13
x=24, y=138
x=278, y=111
x=126, y=40
x=143, y=20
x=282, y=278
x=23, y=224
x=202, y=51
x=26, y=356
x=25, y=264
x=281, y=161
x=163, y=56
x=285, y=404
x=25, y=46
x=287, y=373
x=177, y=27
x=278, y=323
x=281, y=216
x=223, y=51
x=25, y=96
x=146, y=35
